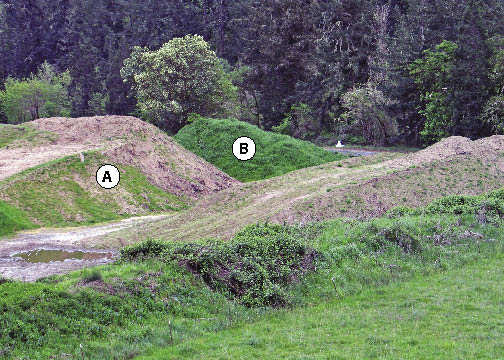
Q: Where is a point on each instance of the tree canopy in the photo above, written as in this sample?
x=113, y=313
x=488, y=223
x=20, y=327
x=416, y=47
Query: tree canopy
x=279, y=54
x=184, y=76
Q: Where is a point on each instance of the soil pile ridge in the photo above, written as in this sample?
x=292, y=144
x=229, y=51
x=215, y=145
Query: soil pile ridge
x=489, y=149
x=362, y=187
x=123, y=140
x=95, y=130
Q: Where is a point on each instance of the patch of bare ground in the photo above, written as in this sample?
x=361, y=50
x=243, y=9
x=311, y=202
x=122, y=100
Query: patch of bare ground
x=69, y=239
x=123, y=140
x=357, y=187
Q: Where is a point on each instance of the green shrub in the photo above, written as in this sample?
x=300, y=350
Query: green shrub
x=399, y=211
x=147, y=249
x=255, y=267
x=397, y=234
x=496, y=194
x=453, y=204
x=276, y=154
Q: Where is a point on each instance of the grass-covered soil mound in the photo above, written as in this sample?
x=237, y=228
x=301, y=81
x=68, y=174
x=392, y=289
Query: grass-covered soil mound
x=124, y=139
x=276, y=154
x=162, y=294
x=12, y=219
x=65, y=192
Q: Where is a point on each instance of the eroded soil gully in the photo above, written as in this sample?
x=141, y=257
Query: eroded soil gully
x=72, y=239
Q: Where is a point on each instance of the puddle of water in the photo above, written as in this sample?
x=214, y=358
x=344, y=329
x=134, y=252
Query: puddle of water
x=47, y=256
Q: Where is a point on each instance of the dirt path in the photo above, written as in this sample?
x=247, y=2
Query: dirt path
x=356, y=152
x=70, y=239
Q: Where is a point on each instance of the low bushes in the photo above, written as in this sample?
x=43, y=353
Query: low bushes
x=487, y=206
x=255, y=267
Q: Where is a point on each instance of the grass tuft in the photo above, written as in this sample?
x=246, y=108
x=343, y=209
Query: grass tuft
x=13, y=219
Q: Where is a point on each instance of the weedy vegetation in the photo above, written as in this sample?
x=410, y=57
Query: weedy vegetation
x=321, y=271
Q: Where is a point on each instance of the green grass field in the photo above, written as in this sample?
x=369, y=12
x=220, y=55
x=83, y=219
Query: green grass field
x=276, y=154
x=453, y=315
x=423, y=286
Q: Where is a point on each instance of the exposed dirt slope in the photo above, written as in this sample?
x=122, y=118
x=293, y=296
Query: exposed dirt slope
x=357, y=187
x=121, y=139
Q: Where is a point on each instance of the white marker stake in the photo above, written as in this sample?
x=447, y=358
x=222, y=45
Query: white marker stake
x=244, y=148
x=108, y=176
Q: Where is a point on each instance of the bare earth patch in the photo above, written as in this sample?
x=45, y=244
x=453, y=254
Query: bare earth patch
x=124, y=140
x=72, y=239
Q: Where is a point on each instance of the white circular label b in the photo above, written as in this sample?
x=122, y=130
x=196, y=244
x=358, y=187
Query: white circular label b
x=244, y=148
x=108, y=176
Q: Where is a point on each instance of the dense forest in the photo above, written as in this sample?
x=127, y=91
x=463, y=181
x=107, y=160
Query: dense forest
x=364, y=71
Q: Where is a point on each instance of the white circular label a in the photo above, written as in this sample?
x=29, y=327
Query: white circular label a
x=108, y=176
x=244, y=148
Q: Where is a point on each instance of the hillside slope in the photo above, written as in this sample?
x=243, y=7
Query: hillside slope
x=356, y=188
x=457, y=312
x=276, y=154
x=52, y=177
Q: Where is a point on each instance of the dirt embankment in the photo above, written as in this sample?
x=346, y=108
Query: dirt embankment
x=125, y=140
x=358, y=188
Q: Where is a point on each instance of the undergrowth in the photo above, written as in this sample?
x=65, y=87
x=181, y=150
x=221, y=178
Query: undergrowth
x=276, y=154
x=255, y=267
x=488, y=207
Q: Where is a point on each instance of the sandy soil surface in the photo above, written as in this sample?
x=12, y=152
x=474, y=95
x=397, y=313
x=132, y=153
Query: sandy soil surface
x=71, y=239
x=16, y=160
x=355, y=152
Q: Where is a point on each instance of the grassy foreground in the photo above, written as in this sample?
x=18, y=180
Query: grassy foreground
x=276, y=154
x=453, y=315
x=162, y=296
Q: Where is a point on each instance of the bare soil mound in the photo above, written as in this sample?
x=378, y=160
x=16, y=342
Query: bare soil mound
x=124, y=140
x=489, y=148
x=357, y=188
x=95, y=130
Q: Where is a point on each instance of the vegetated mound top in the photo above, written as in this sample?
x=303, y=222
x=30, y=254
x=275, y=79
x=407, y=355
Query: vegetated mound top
x=276, y=154
x=123, y=140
